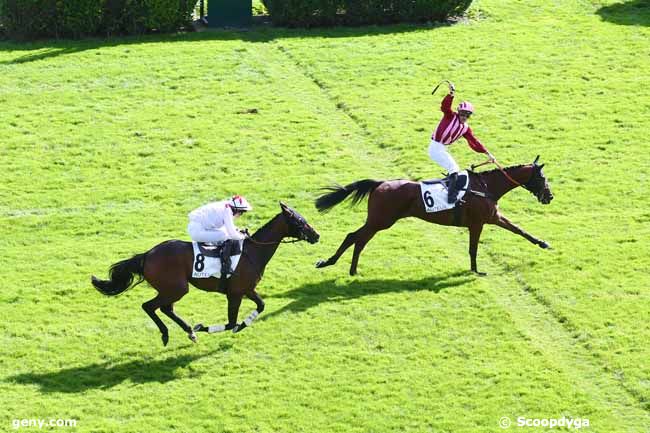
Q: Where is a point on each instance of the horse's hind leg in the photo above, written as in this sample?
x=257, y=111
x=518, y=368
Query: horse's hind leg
x=363, y=237
x=169, y=311
x=347, y=242
x=150, y=308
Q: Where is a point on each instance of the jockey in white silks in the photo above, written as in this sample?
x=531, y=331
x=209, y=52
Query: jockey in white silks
x=214, y=222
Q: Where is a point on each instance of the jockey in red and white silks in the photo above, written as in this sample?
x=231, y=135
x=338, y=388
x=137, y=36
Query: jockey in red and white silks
x=452, y=126
x=214, y=222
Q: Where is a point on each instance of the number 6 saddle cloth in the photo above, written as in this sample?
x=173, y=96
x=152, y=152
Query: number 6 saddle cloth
x=434, y=192
x=207, y=259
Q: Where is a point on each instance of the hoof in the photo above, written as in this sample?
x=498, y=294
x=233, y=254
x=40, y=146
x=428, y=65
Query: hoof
x=239, y=328
x=192, y=337
x=200, y=328
x=544, y=245
x=321, y=263
x=353, y=272
x=480, y=274
x=165, y=339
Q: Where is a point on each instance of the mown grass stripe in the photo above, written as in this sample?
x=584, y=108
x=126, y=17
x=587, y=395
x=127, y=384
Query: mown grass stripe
x=558, y=329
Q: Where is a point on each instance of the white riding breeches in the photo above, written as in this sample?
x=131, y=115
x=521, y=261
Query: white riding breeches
x=199, y=234
x=438, y=152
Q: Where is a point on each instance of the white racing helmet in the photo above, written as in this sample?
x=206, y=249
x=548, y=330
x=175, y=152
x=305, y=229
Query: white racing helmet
x=239, y=203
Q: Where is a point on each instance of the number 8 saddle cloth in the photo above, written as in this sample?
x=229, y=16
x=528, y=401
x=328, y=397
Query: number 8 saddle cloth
x=208, y=257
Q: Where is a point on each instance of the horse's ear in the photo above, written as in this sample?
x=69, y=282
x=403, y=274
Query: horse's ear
x=536, y=159
x=542, y=166
x=286, y=209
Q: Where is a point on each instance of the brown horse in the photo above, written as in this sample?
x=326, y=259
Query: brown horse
x=390, y=201
x=167, y=267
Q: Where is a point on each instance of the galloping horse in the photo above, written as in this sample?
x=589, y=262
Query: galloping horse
x=392, y=200
x=167, y=267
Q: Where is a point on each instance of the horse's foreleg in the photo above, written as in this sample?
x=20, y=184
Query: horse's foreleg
x=150, y=308
x=347, y=242
x=474, y=236
x=255, y=297
x=506, y=224
x=363, y=237
x=234, y=301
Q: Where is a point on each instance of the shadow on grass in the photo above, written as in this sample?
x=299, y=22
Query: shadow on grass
x=107, y=375
x=53, y=48
x=311, y=295
x=630, y=13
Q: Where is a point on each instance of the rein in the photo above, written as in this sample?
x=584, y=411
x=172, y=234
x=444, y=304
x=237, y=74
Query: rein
x=502, y=170
x=493, y=160
x=475, y=166
x=506, y=174
x=274, y=243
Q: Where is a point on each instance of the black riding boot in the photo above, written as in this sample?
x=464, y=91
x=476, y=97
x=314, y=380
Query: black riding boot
x=452, y=189
x=226, y=250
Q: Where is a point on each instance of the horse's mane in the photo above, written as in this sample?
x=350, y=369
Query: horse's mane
x=498, y=169
x=264, y=227
x=494, y=170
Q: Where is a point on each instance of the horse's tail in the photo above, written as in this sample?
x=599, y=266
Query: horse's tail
x=338, y=193
x=121, y=276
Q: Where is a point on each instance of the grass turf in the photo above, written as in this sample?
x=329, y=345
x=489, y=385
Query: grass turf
x=108, y=145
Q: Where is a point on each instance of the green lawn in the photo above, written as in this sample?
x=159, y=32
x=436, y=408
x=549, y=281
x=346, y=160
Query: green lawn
x=107, y=145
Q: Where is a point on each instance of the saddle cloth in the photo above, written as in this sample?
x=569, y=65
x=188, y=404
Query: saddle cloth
x=206, y=265
x=434, y=192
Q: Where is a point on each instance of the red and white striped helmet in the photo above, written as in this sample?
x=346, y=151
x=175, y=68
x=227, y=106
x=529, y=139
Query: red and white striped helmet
x=466, y=106
x=239, y=203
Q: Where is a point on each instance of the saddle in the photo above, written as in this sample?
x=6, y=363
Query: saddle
x=461, y=179
x=436, y=193
x=220, y=249
x=224, y=251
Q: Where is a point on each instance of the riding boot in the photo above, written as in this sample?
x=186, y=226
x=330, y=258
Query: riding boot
x=225, y=261
x=452, y=189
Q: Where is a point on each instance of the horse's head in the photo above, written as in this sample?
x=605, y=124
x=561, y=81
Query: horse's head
x=538, y=184
x=298, y=226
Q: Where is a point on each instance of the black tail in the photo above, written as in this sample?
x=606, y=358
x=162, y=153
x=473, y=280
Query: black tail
x=121, y=276
x=360, y=188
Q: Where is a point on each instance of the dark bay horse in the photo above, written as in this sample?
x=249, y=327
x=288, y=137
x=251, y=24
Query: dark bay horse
x=392, y=200
x=167, y=267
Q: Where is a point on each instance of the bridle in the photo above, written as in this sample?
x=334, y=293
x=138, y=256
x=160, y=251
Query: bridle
x=527, y=185
x=301, y=237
